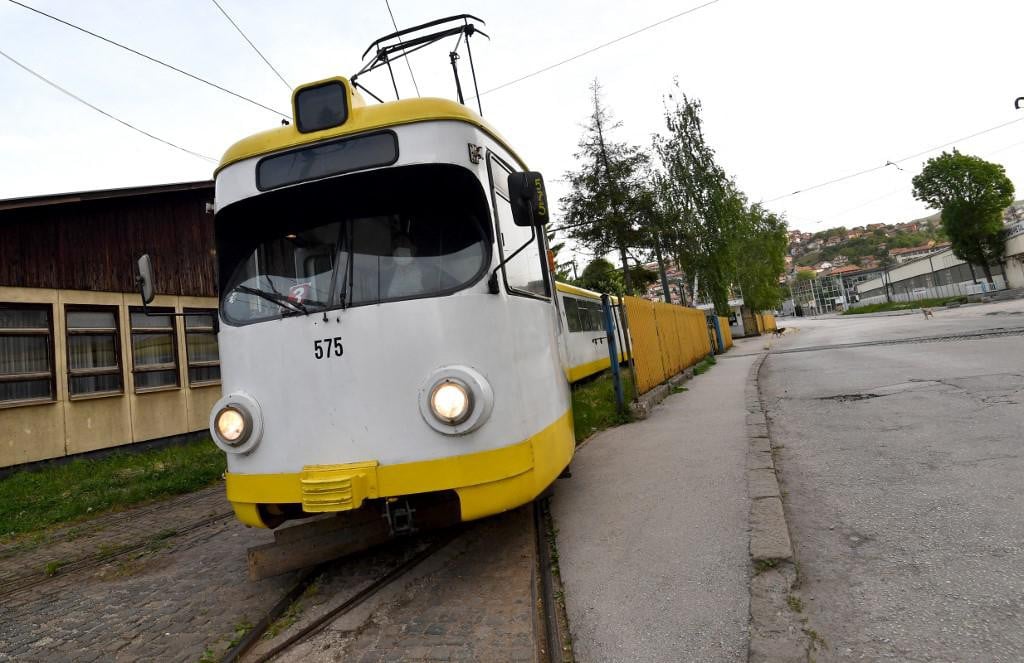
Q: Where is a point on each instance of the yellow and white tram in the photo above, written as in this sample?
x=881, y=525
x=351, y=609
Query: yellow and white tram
x=390, y=329
x=387, y=327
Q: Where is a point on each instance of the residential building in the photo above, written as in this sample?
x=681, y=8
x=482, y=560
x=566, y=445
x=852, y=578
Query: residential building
x=914, y=252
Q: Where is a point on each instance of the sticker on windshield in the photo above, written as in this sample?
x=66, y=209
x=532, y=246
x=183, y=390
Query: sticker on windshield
x=300, y=292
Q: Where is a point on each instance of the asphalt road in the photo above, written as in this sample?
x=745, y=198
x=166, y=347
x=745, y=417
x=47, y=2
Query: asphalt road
x=903, y=479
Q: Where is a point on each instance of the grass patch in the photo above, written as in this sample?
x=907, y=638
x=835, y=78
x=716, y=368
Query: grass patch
x=242, y=629
x=795, y=603
x=593, y=404
x=762, y=565
x=34, y=499
x=904, y=306
x=705, y=365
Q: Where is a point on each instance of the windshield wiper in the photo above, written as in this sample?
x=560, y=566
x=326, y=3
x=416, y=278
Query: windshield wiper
x=277, y=298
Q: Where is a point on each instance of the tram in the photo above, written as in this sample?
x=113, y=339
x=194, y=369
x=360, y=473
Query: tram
x=390, y=328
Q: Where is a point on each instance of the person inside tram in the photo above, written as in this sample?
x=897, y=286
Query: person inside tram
x=407, y=273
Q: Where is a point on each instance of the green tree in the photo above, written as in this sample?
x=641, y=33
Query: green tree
x=759, y=250
x=601, y=276
x=563, y=272
x=698, y=200
x=972, y=194
x=601, y=208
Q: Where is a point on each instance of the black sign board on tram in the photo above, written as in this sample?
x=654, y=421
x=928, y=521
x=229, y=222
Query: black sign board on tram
x=320, y=106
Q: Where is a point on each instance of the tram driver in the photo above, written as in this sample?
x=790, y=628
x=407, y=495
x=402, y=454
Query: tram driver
x=407, y=273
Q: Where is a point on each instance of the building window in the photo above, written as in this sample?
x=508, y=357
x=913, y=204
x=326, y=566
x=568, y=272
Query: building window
x=94, y=351
x=154, y=350
x=26, y=356
x=201, y=347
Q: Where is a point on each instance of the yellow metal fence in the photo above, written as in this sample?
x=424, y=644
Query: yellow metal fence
x=666, y=338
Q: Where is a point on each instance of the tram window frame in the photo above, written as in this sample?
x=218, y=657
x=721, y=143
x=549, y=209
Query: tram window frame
x=572, y=313
x=202, y=330
x=499, y=191
x=468, y=187
x=31, y=376
x=113, y=332
x=269, y=161
x=166, y=367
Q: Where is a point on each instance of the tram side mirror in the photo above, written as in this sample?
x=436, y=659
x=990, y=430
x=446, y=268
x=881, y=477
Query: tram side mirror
x=145, y=279
x=529, y=198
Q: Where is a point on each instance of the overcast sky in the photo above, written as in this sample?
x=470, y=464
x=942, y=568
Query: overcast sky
x=795, y=92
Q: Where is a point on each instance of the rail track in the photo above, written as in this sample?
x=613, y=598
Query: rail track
x=18, y=583
x=549, y=624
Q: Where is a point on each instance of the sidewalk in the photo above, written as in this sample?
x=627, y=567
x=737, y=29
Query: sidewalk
x=653, y=530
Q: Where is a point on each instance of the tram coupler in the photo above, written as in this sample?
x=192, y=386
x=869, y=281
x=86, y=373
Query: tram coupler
x=399, y=515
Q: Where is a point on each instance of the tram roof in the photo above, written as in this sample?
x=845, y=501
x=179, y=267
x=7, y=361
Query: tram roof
x=362, y=118
x=581, y=292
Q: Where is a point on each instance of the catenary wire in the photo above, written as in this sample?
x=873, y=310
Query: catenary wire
x=595, y=48
x=408, y=64
x=103, y=112
x=249, y=41
x=149, y=57
x=896, y=161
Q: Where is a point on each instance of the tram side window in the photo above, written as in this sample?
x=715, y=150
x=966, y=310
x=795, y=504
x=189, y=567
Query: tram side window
x=572, y=314
x=525, y=272
x=584, y=315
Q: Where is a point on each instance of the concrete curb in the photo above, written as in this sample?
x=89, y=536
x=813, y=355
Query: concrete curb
x=643, y=405
x=776, y=631
x=769, y=534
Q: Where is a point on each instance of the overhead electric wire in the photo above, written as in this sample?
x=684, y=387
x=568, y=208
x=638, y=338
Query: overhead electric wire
x=103, y=112
x=406, y=58
x=249, y=41
x=596, y=48
x=894, y=162
x=149, y=57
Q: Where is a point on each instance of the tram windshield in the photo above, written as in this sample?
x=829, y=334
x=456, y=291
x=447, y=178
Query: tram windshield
x=389, y=235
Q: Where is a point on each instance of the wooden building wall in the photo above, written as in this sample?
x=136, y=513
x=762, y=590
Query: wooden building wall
x=93, y=244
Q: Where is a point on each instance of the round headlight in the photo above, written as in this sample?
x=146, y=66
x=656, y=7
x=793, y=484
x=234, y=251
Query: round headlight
x=233, y=425
x=451, y=401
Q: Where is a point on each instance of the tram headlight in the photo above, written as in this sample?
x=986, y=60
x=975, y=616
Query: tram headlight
x=233, y=425
x=451, y=401
x=455, y=399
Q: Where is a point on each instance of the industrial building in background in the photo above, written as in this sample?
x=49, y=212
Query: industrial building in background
x=82, y=367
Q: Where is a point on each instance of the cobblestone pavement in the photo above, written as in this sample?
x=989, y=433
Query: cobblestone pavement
x=472, y=601
x=169, y=599
x=22, y=560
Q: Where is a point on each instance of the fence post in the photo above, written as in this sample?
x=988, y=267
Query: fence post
x=718, y=333
x=628, y=345
x=613, y=353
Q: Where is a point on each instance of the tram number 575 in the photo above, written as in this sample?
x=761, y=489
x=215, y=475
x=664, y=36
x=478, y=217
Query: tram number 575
x=329, y=347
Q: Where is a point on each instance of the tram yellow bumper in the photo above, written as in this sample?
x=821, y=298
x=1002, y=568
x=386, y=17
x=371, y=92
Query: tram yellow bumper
x=487, y=482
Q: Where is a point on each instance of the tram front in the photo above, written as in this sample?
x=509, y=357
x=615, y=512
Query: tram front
x=387, y=326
